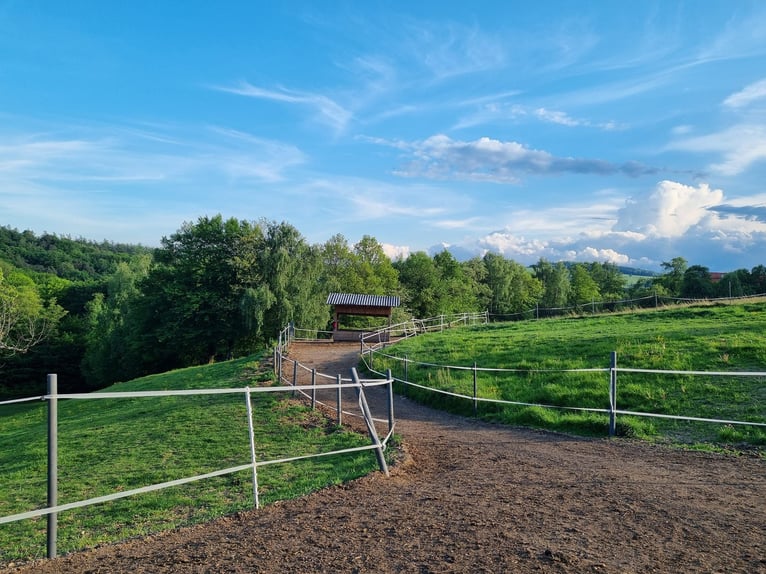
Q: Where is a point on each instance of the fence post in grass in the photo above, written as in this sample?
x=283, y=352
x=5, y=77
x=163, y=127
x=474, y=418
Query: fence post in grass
x=313, y=389
x=52, y=462
x=295, y=375
x=251, y=430
x=370, y=423
x=390, y=378
x=339, y=394
x=475, y=389
x=613, y=395
x=406, y=375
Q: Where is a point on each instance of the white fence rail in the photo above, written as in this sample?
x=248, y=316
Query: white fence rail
x=371, y=351
x=52, y=509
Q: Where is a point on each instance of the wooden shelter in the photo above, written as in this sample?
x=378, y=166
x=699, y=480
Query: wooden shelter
x=360, y=305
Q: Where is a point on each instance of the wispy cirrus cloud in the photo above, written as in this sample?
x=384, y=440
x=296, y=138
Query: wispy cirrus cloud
x=486, y=159
x=508, y=108
x=449, y=49
x=748, y=95
x=326, y=110
x=740, y=146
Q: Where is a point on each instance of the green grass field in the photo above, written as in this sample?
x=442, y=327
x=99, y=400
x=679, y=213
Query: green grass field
x=112, y=445
x=704, y=338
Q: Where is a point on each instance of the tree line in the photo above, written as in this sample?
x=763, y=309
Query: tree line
x=96, y=313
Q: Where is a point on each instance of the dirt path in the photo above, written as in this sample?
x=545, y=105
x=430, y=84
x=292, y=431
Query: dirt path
x=475, y=497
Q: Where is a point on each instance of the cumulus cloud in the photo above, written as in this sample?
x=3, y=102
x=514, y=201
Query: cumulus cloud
x=394, y=252
x=670, y=219
x=528, y=250
x=486, y=159
x=669, y=210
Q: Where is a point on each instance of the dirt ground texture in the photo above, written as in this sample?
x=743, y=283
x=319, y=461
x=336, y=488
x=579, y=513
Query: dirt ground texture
x=474, y=497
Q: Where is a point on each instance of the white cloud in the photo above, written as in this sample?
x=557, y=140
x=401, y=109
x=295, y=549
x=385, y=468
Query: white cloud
x=495, y=111
x=449, y=50
x=751, y=93
x=557, y=117
x=394, y=252
x=486, y=159
x=740, y=145
x=327, y=111
x=669, y=210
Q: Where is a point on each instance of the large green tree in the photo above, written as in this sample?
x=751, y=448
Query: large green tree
x=583, y=288
x=673, y=278
x=189, y=311
x=556, y=283
x=421, y=283
x=25, y=318
x=513, y=289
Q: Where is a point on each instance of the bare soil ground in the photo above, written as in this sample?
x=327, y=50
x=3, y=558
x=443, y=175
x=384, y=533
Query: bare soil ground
x=474, y=497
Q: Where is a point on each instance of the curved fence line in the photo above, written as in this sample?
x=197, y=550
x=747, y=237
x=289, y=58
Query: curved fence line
x=24, y=400
x=369, y=351
x=52, y=510
x=303, y=389
x=535, y=312
x=491, y=369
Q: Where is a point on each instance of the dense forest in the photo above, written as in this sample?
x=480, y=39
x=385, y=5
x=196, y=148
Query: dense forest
x=96, y=313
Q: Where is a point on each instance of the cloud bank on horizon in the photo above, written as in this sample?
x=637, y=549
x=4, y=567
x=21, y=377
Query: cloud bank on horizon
x=602, y=132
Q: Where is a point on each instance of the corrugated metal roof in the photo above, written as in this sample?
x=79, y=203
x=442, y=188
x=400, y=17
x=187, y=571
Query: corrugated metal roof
x=363, y=300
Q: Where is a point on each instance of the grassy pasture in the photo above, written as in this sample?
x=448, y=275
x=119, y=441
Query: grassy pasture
x=111, y=445
x=694, y=338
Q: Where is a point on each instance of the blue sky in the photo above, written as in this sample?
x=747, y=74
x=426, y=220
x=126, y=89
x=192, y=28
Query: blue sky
x=630, y=132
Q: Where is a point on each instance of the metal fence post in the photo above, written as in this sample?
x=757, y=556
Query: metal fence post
x=370, y=423
x=475, y=394
x=295, y=375
x=313, y=389
x=339, y=395
x=390, y=378
x=406, y=375
x=52, y=463
x=251, y=431
x=613, y=395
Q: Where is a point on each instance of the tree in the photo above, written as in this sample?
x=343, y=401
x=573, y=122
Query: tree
x=475, y=272
x=338, y=260
x=697, y=283
x=556, y=283
x=610, y=281
x=673, y=279
x=458, y=294
x=513, y=289
x=189, y=311
x=287, y=284
x=25, y=319
x=373, y=268
x=583, y=288
x=422, y=286
x=733, y=284
x=111, y=353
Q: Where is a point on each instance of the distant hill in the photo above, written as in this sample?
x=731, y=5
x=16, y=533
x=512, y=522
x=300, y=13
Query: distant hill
x=73, y=259
x=636, y=271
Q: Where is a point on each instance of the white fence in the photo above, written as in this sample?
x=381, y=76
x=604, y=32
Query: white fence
x=52, y=509
x=371, y=351
x=595, y=307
